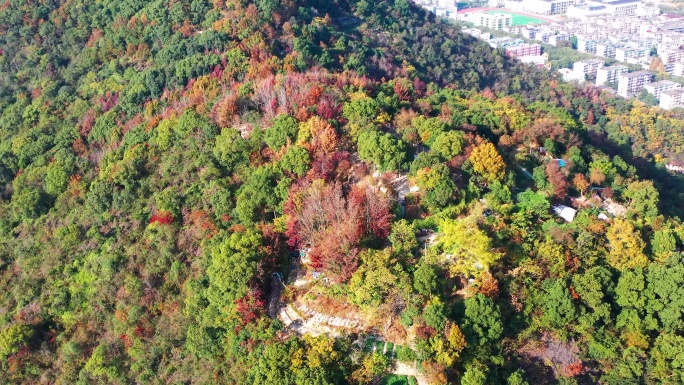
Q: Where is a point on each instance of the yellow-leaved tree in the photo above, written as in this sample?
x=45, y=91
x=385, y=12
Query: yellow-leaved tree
x=488, y=162
x=626, y=246
x=468, y=250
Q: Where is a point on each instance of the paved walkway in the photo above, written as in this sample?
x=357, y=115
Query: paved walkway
x=304, y=320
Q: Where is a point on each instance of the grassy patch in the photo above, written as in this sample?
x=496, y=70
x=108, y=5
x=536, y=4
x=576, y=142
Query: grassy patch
x=368, y=345
x=394, y=379
x=405, y=354
x=390, y=349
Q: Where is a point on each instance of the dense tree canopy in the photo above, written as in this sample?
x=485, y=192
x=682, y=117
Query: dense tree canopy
x=179, y=180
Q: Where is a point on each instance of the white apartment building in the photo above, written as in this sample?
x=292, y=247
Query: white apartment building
x=632, y=83
x=587, y=67
x=672, y=56
x=657, y=88
x=587, y=45
x=678, y=69
x=606, y=49
x=585, y=11
x=647, y=10
x=494, y=20
x=557, y=38
x=610, y=74
x=618, y=7
x=624, y=53
x=447, y=4
x=671, y=99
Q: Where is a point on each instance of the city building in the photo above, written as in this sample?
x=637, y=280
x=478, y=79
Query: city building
x=557, y=38
x=678, y=69
x=444, y=8
x=585, y=11
x=524, y=49
x=624, y=53
x=647, y=10
x=530, y=32
x=606, y=49
x=540, y=7
x=632, y=83
x=494, y=20
x=540, y=61
x=657, y=88
x=672, y=99
x=610, y=74
x=587, y=67
x=672, y=56
x=617, y=7
x=587, y=45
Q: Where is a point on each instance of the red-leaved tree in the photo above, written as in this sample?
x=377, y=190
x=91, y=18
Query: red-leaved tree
x=332, y=223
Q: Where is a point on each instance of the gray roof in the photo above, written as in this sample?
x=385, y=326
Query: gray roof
x=636, y=74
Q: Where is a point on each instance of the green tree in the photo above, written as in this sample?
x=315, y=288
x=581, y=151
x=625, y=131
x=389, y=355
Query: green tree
x=559, y=309
x=230, y=149
x=439, y=188
x=435, y=314
x=425, y=279
x=663, y=244
x=296, y=161
x=403, y=239
x=233, y=263
x=257, y=197
x=284, y=129
x=382, y=149
x=666, y=364
x=448, y=144
x=377, y=276
x=482, y=323
x=13, y=338
x=643, y=199
x=516, y=378
x=474, y=375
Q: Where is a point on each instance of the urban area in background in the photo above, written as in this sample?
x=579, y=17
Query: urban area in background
x=638, y=50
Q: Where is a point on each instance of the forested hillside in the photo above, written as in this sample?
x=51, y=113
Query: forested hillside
x=167, y=166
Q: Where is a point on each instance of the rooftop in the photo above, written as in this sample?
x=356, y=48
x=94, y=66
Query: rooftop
x=620, y=2
x=636, y=74
x=661, y=83
x=678, y=91
x=591, y=61
x=614, y=67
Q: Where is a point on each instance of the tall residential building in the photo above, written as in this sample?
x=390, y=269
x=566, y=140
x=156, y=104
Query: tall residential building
x=657, y=88
x=672, y=56
x=587, y=45
x=610, y=74
x=587, y=67
x=524, y=49
x=540, y=7
x=585, y=11
x=618, y=7
x=632, y=83
x=671, y=99
x=557, y=38
x=624, y=53
x=494, y=20
x=605, y=49
x=678, y=69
